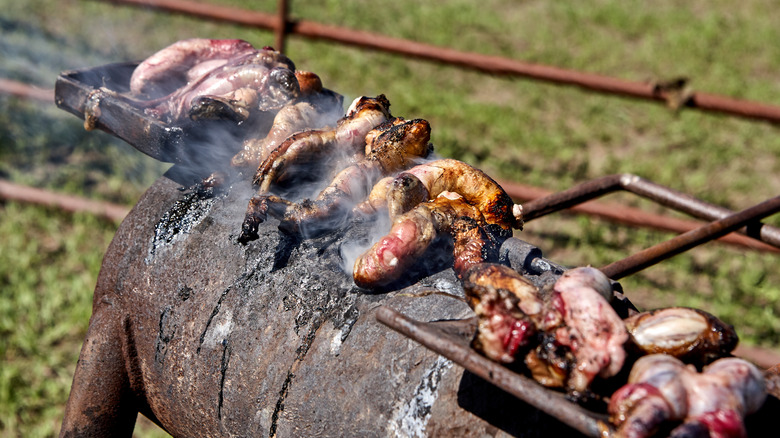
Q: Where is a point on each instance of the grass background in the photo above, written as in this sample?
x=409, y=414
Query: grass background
x=514, y=129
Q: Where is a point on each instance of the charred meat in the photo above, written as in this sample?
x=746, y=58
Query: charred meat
x=580, y=336
x=345, y=140
x=476, y=187
x=305, y=114
x=395, y=147
x=506, y=305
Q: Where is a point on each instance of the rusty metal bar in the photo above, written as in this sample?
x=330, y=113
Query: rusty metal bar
x=460, y=352
x=25, y=91
x=647, y=189
x=280, y=32
x=657, y=253
x=630, y=216
x=474, y=61
x=73, y=204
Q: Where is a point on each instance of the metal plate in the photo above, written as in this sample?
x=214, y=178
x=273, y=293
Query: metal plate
x=187, y=143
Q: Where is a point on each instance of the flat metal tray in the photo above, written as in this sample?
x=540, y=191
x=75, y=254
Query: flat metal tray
x=188, y=143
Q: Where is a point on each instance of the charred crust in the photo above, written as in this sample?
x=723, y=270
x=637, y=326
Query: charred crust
x=256, y=214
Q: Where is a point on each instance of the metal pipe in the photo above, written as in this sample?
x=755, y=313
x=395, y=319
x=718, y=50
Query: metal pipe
x=25, y=91
x=663, y=195
x=662, y=251
x=74, y=204
x=474, y=61
x=630, y=216
x=280, y=32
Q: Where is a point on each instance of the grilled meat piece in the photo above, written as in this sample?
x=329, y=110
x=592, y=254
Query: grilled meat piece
x=377, y=198
x=662, y=389
x=591, y=328
x=182, y=62
x=303, y=145
x=480, y=278
x=476, y=187
x=691, y=335
x=345, y=140
x=581, y=336
x=411, y=235
x=392, y=150
x=209, y=79
x=316, y=112
x=506, y=305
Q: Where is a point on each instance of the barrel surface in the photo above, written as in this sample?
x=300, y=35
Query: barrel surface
x=274, y=339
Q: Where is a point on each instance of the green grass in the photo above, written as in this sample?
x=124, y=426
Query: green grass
x=48, y=265
x=527, y=131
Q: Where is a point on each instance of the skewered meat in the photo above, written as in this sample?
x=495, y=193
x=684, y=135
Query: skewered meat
x=213, y=79
x=347, y=138
x=306, y=114
x=691, y=335
x=392, y=150
x=663, y=389
x=591, y=328
x=411, y=235
x=476, y=187
x=580, y=335
x=506, y=304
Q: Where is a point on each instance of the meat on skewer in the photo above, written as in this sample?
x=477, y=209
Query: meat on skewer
x=506, y=305
x=579, y=335
x=346, y=139
x=590, y=326
x=411, y=235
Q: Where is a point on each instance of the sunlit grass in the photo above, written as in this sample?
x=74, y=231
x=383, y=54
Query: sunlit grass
x=515, y=129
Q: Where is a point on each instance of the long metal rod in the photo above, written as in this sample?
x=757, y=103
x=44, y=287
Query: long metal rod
x=15, y=192
x=280, y=32
x=663, y=195
x=662, y=251
x=26, y=91
x=490, y=64
x=631, y=216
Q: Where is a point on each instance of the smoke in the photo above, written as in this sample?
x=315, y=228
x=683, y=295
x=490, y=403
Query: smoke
x=44, y=146
x=350, y=250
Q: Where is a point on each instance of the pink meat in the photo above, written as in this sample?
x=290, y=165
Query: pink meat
x=592, y=329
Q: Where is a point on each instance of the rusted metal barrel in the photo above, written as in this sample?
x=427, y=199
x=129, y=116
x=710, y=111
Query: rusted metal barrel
x=209, y=337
